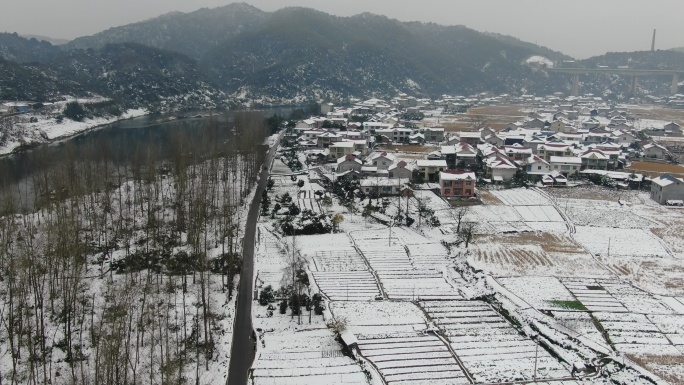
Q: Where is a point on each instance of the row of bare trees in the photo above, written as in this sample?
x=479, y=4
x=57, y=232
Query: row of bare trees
x=115, y=263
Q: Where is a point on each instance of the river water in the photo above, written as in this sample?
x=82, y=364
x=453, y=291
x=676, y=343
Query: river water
x=117, y=142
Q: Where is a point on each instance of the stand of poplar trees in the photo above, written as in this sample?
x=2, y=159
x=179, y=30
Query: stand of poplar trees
x=116, y=271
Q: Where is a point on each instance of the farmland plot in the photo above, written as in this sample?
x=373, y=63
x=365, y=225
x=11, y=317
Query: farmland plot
x=672, y=326
x=594, y=296
x=313, y=357
x=522, y=197
x=540, y=292
x=603, y=214
x=582, y=323
x=490, y=349
x=347, y=285
x=622, y=242
x=381, y=319
x=399, y=277
x=531, y=254
x=306, y=200
x=485, y=213
x=634, y=299
x=271, y=263
x=539, y=214
x=635, y=334
x=417, y=284
x=413, y=360
x=428, y=255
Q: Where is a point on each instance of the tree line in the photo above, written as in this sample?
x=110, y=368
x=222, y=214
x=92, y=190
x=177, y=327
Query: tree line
x=114, y=270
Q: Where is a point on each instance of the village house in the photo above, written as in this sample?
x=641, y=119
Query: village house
x=566, y=165
x=554, y=178
x=597, y=136
x=340, y=149
x=434, y=134
x=494, y=139
x=400, y=169
x=518, y=152
x=381, y=160
x=655, y=151
x=537, y=166
x=457, y=183
x=547, y=150
x=673, y=128
x=535, y=123
x=448, y=153
x=328, y=138
x=382, y=186
x=429, y=169
x=623, y=138
x=307, y=123
x=348, y=162
x=416, y=138
x=666, y=189
x=500, y=169
x=472, y=138
x=561, y=125
x=594, y=159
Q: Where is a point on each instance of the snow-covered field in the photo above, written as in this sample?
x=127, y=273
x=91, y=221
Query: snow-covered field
x=490, y=349
x=547, y=253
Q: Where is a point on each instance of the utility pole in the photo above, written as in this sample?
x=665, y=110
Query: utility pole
x=536, y=354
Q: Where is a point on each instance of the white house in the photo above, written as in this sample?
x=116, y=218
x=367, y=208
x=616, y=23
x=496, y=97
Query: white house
x=566, y=164
x=400, y=169
x=673, y=128
x=430, y=168
x=381, y=160
x=500, y=169
x=667, y=188
x=654, y=150
x=624, y=138
x=537, y=166
x=348, y=162
x=340, y=149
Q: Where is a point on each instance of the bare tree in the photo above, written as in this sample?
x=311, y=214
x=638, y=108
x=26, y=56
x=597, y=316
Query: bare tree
x=467, y=232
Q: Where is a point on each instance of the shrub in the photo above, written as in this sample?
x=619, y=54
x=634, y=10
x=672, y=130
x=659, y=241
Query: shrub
x=266, y=296
x=74, y=111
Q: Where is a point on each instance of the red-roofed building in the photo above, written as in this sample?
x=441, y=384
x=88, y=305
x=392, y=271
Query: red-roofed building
x=457, y=183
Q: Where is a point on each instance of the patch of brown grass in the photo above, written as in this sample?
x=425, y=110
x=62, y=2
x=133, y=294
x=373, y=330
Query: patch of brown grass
x=594, y=193
x=489, y=199
x=410, y=148
x=654, y=169
x=549, y=242
x=658, y=113
x=496, y=117
x=653, y=362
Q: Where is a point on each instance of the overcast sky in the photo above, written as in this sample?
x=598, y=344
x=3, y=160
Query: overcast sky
x=580, y=28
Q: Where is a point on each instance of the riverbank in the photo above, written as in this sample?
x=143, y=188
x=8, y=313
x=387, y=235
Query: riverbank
x=26, y=133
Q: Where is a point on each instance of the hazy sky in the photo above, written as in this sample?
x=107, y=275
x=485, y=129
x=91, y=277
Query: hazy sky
x=579, y=28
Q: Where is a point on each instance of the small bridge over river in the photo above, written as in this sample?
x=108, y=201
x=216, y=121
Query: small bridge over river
x=633, y=73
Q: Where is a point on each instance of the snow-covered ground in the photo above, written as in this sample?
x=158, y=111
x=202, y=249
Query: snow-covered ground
x=46, y=129
x=547, y=253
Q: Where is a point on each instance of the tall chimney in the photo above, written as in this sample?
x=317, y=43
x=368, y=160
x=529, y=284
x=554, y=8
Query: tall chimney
x=653, y=41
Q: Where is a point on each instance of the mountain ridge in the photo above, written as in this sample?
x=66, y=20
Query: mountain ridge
x=299, y=54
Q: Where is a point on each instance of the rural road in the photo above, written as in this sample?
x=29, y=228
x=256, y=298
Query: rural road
x=242, y=350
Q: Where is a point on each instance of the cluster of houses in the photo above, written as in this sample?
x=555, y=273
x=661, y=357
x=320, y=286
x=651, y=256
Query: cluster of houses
x=549, y=146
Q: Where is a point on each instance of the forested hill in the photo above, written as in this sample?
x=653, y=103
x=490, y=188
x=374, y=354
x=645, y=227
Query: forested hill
x=134, y=75
x=240, y=53
x=299, y=52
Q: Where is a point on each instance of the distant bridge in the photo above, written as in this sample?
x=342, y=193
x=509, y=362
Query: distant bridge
x=633, y=73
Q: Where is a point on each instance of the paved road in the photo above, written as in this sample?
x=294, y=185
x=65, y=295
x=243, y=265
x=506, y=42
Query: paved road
x=242, y=351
